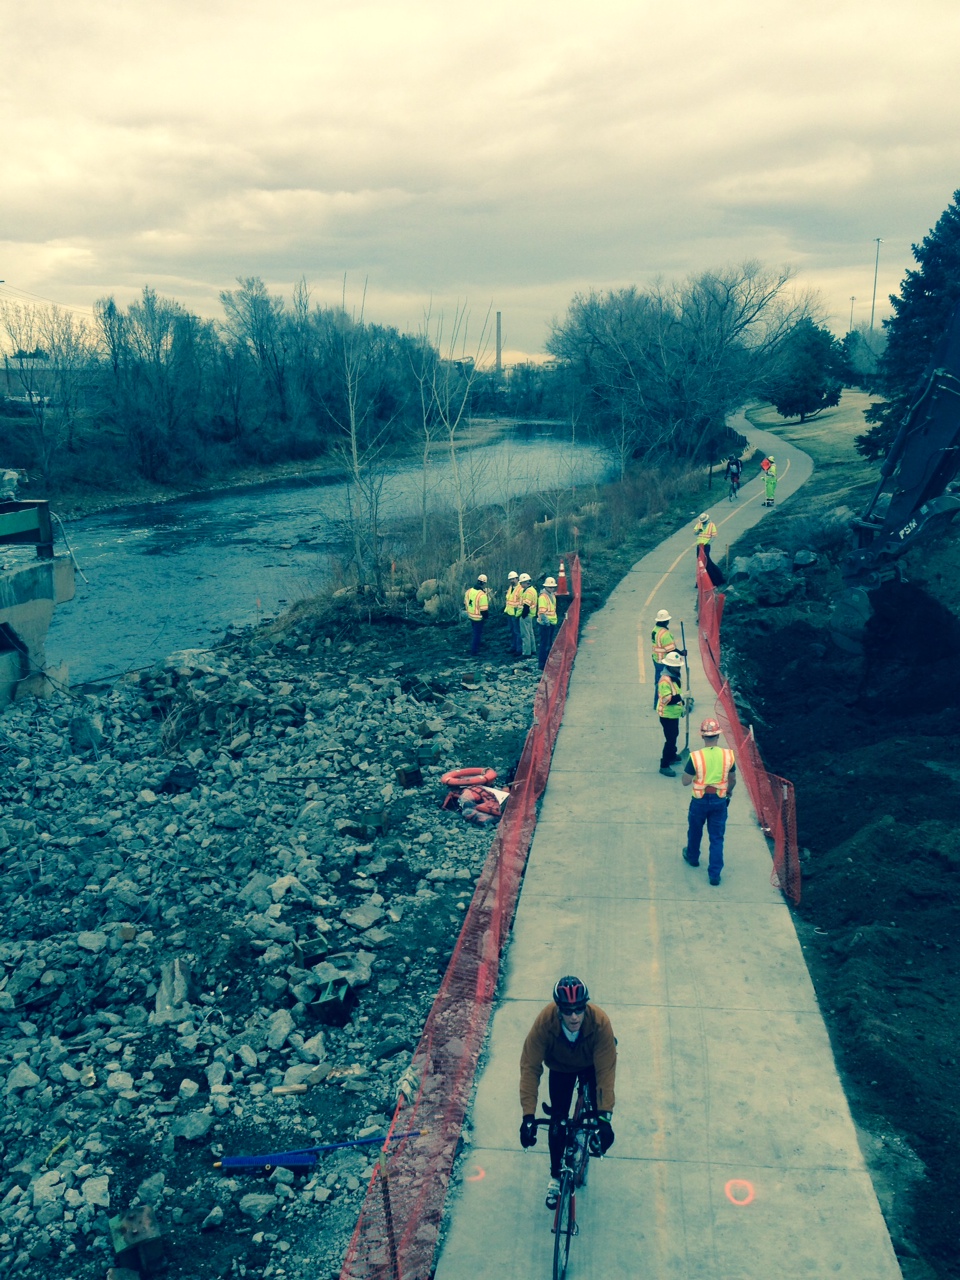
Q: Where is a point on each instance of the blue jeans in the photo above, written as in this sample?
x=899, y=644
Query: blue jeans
x=547, y=632
x=711, y=810
x=514, y=624
x=477, y=636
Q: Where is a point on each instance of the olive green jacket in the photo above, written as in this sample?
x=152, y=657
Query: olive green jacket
x=547, y=1046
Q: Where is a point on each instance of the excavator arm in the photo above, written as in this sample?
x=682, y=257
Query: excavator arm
x=919, y=471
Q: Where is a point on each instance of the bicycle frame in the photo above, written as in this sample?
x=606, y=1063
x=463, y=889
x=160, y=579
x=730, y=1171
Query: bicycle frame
x=573, y=1174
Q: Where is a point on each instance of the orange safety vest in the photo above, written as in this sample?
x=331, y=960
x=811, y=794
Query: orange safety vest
x=667, y=688
x=663, y=642
x=475, y=601
x=546, y=609
x=712, y=773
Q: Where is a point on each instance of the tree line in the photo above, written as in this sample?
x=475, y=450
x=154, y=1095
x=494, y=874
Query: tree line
x=155, y=391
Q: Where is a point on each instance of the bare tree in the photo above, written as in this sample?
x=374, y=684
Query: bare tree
x=51, y=360
x=661, y=368
x=446, y=382
x=257, y=320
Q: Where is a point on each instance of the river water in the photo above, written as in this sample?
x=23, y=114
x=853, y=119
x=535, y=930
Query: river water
x=177, y=575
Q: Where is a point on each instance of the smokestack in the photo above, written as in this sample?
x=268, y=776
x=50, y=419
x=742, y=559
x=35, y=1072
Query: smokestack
x=499, y=347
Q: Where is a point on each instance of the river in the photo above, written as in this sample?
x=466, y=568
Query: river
x=178, y=575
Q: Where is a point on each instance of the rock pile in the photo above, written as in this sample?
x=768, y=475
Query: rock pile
x=225, y=922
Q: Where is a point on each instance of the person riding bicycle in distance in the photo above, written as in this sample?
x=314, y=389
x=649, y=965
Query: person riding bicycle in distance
x=574, y=1040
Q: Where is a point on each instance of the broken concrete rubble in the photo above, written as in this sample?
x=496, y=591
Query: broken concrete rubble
x=174, y=955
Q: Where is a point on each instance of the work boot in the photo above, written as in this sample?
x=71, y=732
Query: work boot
x=553, y=1194
x=714, y=880
x=688, y=860
x=667, y=773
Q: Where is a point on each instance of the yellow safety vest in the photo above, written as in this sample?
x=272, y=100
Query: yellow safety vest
x=514, y=601
x=705, y=533
x=712, y=767
x=546, y=609
x=529, y=597
x=663, y=642
x=666, y=688
x=476, y=602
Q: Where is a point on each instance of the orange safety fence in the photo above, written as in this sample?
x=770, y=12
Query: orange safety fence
x=773, y=797
x=399, y=1225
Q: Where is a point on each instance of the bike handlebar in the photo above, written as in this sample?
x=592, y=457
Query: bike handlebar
x=585, y=1120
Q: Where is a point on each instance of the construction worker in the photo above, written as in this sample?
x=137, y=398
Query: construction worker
x=662, y=643
x=546, y=618
x=770, y=481
x=705, y=530
x=477, y=604
x=713, y=775
x=512, y=607
x=528, y=611
x=671, y=709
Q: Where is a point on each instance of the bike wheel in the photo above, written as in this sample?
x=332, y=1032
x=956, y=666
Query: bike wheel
x=564, y=1226
x=582, y=1160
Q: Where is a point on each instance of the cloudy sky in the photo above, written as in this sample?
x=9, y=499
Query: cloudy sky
x=499, y=155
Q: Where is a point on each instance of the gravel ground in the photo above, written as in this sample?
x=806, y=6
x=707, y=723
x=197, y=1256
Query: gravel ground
x=192, y=859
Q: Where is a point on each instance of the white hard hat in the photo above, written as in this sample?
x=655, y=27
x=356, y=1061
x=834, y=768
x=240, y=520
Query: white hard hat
x=662, y=616
x=704, y=515
x=512, y=573
x=672, y=660
x=524, y=577
x=481, y=577
x=549, y=582
x=769, y=457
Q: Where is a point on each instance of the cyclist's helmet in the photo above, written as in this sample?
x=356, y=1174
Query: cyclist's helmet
x=571, y=995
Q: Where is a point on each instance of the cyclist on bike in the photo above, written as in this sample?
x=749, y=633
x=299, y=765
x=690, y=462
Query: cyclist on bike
x=733, y=472
x=575, y=1041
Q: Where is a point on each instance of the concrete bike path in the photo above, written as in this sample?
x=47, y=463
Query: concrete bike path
x=735, y=1156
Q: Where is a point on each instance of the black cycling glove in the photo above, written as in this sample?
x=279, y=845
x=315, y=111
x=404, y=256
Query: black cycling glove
x=605, y=1131
x=528, y=1132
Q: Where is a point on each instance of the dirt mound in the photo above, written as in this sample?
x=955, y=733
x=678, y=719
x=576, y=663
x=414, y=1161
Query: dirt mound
x=871, y=744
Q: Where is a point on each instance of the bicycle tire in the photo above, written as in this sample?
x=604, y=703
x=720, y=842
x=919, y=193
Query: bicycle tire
x=582, y=1161
x=564, y=1226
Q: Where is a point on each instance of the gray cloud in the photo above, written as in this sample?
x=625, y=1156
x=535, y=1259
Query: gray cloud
x=508, y=154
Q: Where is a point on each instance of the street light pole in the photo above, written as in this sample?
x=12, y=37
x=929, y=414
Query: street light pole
x=852, y=301
x=876, y=269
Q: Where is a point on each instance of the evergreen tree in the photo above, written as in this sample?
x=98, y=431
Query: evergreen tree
x=808, y=372
x=927, y=298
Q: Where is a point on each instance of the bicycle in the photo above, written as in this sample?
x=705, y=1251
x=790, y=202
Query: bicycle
x=580, y=1144
x=734, y=492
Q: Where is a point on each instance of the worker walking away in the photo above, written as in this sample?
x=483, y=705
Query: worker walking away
x=511, y=608
x=769, y=480
x=574, y=1040
x=477, y=604
x=528, y=612
x=712, y=773
x=662, y=643
x=671, y=709
x=546, y=618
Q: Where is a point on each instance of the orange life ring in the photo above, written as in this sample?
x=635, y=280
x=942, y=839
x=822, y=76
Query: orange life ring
x=468, y=777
